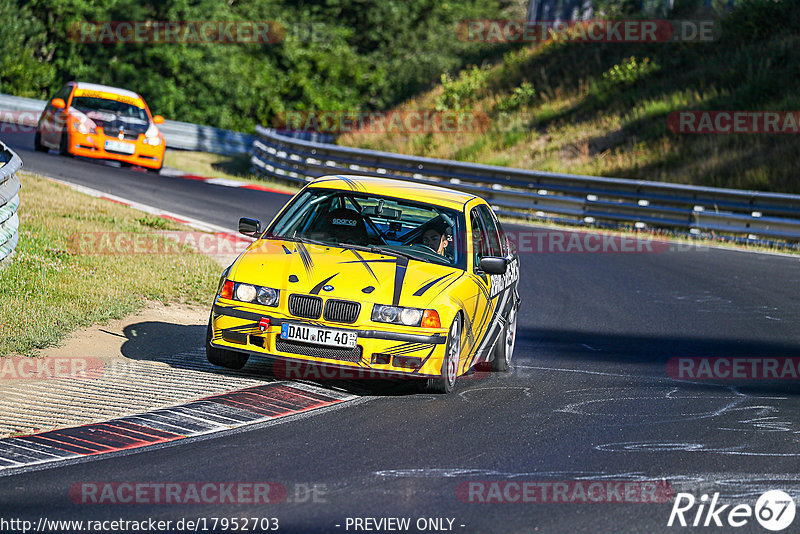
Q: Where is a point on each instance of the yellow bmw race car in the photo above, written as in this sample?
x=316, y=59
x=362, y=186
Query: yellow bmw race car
x=370, y=274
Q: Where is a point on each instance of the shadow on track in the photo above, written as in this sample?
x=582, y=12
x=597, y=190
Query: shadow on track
x=181, y=346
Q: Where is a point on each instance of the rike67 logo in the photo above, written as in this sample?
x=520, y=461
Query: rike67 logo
x=774, y=510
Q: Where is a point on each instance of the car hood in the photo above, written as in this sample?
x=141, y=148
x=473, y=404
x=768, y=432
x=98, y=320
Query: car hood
x=344, y=273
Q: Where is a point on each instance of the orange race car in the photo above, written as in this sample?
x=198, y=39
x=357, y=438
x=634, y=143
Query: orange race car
x=101, y=122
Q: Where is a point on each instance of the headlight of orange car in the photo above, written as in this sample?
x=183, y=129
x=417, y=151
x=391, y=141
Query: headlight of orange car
x=152, y=136
x=84, y=126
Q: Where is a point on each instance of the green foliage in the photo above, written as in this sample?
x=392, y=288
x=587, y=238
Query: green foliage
x=151, y=221
x=626, y=73
x=336, y=54
x=23, y=69
x=520, y=97
x=458, y=94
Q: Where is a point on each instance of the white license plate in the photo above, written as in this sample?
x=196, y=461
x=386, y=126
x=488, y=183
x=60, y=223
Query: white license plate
x=318, y=336
x=119, y=146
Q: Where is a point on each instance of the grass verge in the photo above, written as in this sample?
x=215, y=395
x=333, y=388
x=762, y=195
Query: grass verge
x=47, y=290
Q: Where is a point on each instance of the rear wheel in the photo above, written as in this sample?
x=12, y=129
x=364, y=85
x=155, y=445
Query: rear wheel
x=222, y=357
x=447, y=382
x=37, y=143
x=504, y=346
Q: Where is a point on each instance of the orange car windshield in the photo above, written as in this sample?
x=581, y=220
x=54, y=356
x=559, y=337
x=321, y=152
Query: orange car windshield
x=104, y=109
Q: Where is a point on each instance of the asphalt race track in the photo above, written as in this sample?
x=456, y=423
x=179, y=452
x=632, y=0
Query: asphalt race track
x=589, y=398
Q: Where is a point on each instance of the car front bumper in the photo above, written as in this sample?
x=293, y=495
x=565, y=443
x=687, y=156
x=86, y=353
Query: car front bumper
x=378, y=353
x=93, y=146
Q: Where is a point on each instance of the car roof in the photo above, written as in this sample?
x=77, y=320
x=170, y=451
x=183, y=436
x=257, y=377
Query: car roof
x=391, y=187
x=106, y=88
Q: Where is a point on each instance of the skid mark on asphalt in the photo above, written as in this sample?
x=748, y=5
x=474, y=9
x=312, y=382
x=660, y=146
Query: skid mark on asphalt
x=211, y=414
x=737, y=419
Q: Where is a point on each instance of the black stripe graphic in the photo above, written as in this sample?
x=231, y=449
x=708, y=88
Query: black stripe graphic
x=317, y=288
x=305, y=257
x=428, y=357
x=364, y=262
x=421, y=291
x=399, y=276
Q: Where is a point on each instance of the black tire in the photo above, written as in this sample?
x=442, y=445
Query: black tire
x=447, y=382
x=504, y=346
x=37, y=143
x=221, y=357
x=63, y=146
x=155, y=171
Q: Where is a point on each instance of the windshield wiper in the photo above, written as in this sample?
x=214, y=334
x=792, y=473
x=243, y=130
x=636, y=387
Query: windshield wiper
x=380, y=250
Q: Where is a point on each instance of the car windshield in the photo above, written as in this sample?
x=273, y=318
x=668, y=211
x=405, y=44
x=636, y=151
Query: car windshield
x=105, y=109
x=388, y=225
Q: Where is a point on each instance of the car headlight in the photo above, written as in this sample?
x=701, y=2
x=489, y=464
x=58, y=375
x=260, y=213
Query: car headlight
x=245, y=293
x=151, y=136
x=397, y=315
x=266, y=296
x=88, y=127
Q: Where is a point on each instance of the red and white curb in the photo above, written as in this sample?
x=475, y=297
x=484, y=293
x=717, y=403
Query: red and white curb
x=225, y=182
x=208, y=415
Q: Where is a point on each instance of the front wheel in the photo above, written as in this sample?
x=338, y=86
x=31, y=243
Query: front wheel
x=222, y=357
x=37, y=143
x=504, y=346
x=452, y=354
x=63, y=146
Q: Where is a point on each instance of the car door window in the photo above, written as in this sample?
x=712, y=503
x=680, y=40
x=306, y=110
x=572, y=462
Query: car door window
x=480, y=248
x=493, y=241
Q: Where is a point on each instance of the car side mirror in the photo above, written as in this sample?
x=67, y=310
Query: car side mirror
x=58, y=103
x=493, y=265
x=158, y=119
x=251, y=227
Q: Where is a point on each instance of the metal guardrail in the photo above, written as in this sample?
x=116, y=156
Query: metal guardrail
x=182, y=135
x=9, y=201
x=568, y=198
